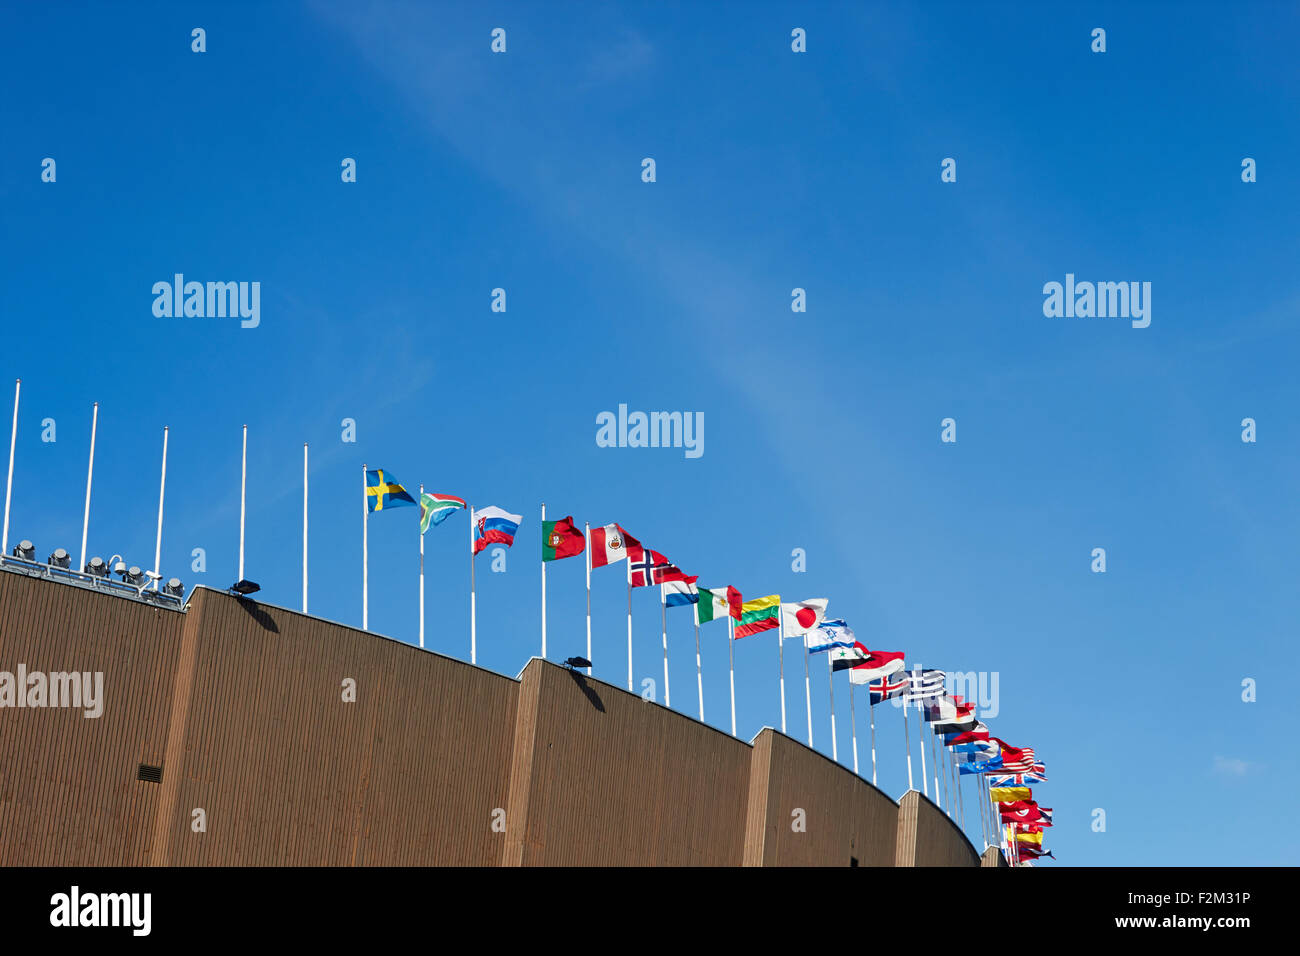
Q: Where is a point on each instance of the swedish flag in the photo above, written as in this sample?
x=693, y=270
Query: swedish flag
x=384, y=492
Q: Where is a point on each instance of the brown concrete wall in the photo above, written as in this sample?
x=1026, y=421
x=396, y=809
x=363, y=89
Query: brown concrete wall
x=242, y=706
x=68, y=788
x=927, y=837
x=842, y=816
x=604, y=778
x=291, y=774
x=992, y=857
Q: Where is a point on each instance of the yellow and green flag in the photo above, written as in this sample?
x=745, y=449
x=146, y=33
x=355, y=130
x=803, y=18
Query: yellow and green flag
x=761, y=614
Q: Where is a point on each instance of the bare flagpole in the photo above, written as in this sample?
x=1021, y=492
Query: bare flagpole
x=422, y=566
x=304, y=527
x=162, y=488
x=934, y=759
x=587, y=550
x=243, y=489
x=90, y=474
x=9, y=484
x=543, y=584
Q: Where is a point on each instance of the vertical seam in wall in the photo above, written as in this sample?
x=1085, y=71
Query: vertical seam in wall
x=182, y=690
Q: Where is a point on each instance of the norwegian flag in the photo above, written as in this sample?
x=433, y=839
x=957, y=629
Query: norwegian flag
x=650, y=567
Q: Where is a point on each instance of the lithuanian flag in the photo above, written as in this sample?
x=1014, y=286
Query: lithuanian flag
x=761, y=614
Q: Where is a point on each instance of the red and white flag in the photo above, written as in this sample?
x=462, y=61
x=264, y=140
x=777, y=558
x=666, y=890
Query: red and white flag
x=609, y=545
x=651, y=567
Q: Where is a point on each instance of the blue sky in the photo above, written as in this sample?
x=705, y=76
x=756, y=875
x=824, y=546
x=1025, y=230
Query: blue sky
x=775, y=170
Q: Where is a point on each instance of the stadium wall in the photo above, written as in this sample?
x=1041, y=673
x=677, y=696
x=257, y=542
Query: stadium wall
x=435, y=761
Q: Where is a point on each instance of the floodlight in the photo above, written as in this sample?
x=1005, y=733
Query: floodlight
x=174, y=588
x=97, y=568
x=245, y=587
x=59, y=559
x=26, y=550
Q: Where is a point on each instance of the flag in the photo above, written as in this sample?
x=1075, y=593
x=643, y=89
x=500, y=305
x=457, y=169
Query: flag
x=435, y=509
x=609, y=544
x=651, y=567
x=842, y=657
x=1026, y=813
x=878, y=665
x=1016, y=779
x=830, y=634
x=1034, y=853
x=1009, y=794
x=924, y=685
x=885, y=690
x=382, y=491
x=804, y=619
x=560, y=539
x=680, y=593
x=978, y=732
x=1016, y=759
x=761, y=614
x=979, y=765
x=1033, y=839
x=494, y=526
x=717, y=603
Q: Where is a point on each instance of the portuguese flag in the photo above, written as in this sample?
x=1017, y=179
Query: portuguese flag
x=560, y=539
x=761, y=614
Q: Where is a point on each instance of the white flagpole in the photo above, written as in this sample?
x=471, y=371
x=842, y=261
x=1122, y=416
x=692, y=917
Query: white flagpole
x=629, y=618
x=9, y=484
x=925, y=789
x=907, y=736
x=699, y=672
x=663, y=613
x=807, y=691
x=473, y=601
x=90, y=474
x=587, y=550
x=780, y=640
x=543, y=583
x=731, y=650
x=304, y=527
x=853, y=716
x=243, y=488
x=422, y=567
x=830, y=682
x=162, y=488
x=872, y=711
x=934, y=759
x=365, y=554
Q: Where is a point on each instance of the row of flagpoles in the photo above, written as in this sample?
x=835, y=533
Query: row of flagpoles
x=969, y=748
x=1008, y=816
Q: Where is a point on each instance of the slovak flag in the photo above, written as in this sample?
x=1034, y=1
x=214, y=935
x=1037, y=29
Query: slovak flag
x=494, y=526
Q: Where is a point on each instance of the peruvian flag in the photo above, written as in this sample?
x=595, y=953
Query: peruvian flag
x=609, y=544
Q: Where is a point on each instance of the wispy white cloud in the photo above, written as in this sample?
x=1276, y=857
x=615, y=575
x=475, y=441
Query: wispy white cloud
x=1231, y=766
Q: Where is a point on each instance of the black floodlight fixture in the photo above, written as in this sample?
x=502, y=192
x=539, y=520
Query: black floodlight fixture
x=134, y=576
x=573, y=662
x=59, y=559
x=174, y=588
x=245, y=587
x=26, y=550
x=96, y=567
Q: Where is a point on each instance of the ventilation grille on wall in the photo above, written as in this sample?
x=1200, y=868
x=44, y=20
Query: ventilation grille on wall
x=149, y=773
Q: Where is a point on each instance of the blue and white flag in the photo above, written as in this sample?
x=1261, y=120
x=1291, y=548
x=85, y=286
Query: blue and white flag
x=829, y=634
x=681, y=593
